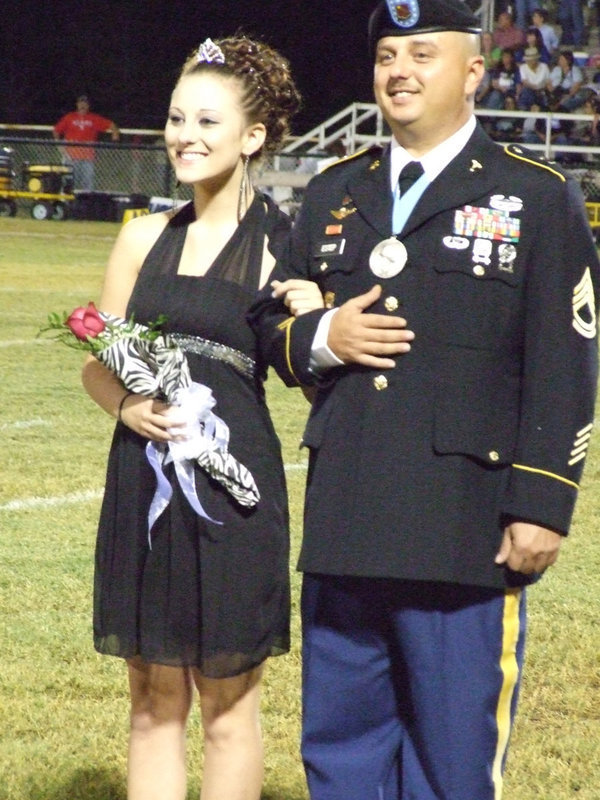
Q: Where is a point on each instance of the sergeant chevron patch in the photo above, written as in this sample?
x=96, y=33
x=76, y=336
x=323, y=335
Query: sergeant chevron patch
x=584, y=306
x=580, y=445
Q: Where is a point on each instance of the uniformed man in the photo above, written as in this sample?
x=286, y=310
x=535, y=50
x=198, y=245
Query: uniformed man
x=455, y=370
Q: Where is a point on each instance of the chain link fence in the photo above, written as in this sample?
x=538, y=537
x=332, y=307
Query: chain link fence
x=39, y=176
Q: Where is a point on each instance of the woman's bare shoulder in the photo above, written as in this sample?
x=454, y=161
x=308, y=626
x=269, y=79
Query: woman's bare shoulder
x=137, y=236
x=147, y=226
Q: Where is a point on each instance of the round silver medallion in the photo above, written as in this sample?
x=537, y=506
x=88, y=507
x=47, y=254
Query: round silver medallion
x=388, y=258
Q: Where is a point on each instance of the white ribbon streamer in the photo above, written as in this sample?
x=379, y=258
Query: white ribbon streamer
x=202, y=431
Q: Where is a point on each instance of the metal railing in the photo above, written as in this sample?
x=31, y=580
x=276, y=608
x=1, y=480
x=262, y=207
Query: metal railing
x=136, y=170
x=356, y=125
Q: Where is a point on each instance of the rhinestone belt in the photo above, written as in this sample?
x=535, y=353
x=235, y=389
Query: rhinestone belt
x=220, y=352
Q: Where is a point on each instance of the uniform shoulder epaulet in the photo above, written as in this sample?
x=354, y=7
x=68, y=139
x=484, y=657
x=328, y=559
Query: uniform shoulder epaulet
x=530, y=157
x=373, y=150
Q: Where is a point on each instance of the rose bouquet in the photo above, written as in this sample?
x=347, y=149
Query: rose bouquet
x=150, y=363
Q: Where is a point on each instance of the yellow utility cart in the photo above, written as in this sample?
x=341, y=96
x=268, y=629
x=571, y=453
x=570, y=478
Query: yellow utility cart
x=593, y=212
x=47, y=188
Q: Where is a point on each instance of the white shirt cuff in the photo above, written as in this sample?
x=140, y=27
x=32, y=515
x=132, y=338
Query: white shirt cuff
x=321, y=357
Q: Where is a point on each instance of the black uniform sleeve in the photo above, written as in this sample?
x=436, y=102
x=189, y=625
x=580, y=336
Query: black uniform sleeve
x=560, y=369
x=285, y=341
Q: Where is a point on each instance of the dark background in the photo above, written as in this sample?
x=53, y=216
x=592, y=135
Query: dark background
x=127, y=54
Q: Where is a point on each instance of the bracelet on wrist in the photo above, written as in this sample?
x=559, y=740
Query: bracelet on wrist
x=120, y=409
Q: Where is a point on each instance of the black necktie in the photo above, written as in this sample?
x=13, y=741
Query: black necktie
x=410, y=173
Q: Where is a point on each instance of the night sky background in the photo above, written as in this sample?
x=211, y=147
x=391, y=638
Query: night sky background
x=127, y=54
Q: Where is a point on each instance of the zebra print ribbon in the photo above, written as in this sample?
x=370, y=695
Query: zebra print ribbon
x=155, y=366
x=206, y=439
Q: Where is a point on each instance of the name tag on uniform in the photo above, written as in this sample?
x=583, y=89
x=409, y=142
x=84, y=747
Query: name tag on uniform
x=332, y=247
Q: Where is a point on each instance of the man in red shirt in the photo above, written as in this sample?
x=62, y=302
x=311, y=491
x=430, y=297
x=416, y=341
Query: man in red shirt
x=83, y=126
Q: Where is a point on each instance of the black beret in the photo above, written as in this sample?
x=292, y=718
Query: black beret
x=391, y=18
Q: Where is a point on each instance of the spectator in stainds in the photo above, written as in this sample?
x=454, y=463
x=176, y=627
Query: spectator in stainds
x=535, y=79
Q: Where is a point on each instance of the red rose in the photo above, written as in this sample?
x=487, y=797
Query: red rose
x=84, y=322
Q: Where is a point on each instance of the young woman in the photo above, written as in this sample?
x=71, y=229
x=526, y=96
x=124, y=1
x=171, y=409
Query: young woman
x=206, y=604
x=534, y=38
x=567, y=81
x=490, y=52
x=505, y=80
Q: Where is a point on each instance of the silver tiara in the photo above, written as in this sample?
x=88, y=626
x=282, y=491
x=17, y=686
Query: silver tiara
x=210, y=53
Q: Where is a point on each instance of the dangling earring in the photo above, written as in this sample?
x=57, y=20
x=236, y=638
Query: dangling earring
x=246, y=190
x=175, y=197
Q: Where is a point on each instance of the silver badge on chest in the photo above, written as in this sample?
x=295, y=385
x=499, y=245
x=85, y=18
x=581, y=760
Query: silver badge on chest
x=388, y=258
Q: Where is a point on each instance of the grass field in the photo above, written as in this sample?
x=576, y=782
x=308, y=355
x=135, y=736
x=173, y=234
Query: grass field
x=63, y=708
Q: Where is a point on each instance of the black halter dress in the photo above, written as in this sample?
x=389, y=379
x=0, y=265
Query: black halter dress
x=204, y=595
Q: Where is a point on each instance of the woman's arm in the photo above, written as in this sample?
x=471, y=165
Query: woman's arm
x=142, y=414
x=299, y=296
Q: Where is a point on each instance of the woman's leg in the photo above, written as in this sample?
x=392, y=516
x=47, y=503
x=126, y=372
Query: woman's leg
x=233, y=752
x=160, y=702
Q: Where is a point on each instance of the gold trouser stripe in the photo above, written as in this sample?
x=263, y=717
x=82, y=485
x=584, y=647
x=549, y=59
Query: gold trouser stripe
x=510, y=676
x=547, y=475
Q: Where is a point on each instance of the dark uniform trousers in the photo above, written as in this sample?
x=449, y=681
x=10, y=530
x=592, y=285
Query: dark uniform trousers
x=413, y=634
x=401, y=699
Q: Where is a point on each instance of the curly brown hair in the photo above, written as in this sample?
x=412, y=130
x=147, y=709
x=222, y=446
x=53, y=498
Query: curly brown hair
x=268, y=92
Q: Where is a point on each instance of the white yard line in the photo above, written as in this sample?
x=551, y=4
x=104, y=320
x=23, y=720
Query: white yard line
x=44, y=290
x=24, y=342
x=38, y=235
x=49, y=502
x=23, y=424
x=28, y=503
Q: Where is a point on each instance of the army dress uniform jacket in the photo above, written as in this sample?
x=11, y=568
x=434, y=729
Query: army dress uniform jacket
x=415, y=471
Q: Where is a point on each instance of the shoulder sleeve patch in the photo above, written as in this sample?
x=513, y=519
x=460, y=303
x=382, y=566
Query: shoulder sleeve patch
x=529, y=157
